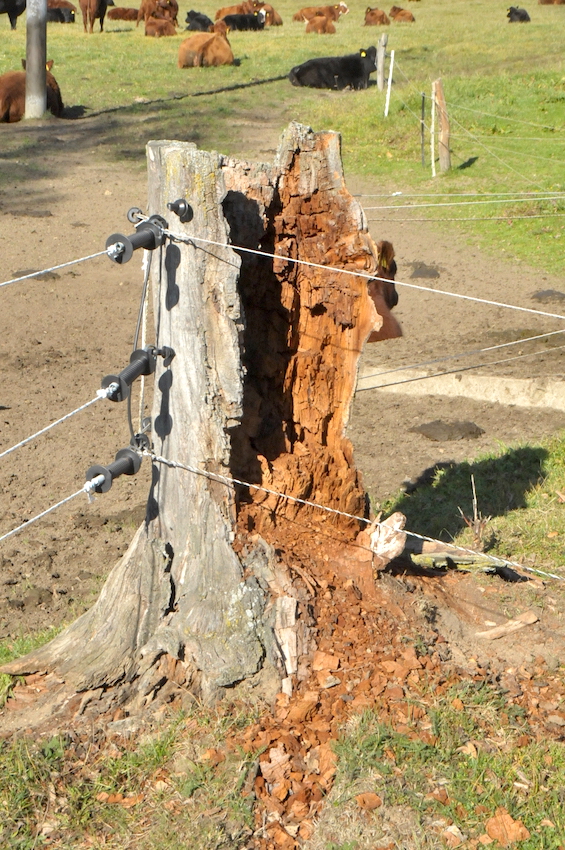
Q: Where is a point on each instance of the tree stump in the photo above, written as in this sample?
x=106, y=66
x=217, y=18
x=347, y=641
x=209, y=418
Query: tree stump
x=259, y=390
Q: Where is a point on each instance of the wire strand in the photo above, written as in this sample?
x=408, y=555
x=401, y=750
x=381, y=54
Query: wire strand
x=190, y=240
x=468, y=203
x=103, y=393
x=54, y=268
x=230, y=482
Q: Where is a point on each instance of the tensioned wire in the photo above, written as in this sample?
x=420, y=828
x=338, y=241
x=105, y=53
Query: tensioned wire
x=54, y=268
x=190, y=240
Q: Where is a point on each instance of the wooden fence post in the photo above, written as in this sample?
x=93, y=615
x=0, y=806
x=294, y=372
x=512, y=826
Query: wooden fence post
x=444, y=131
x=36, y=57
x=390, y=70
x=381, y=53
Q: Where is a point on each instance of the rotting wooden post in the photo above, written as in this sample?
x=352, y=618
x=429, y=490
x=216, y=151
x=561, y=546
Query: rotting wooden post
x=266, y=357
x=381, y=54
x=390, y=71
x=36, y=58
x=444, y=130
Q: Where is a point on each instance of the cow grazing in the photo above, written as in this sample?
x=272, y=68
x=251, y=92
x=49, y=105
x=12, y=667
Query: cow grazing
x=122, y=13
x=336, y=72
x=198, y=22
x=159, y=27
x=331, y=12
x=202, y=50
x=60, y=16
x=376, y=18
x=245, y=8
x=401, y=15
x=12, y=8
x=321, y=25
x=516, y=15
x=92, y=9
x=384, y=293
x=13, y=95
x=245, y=23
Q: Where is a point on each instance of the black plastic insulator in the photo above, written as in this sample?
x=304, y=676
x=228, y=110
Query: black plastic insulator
x=133, y=215
x=148, y=234
x=181, y=208
x=141, y=362
x=127, y=462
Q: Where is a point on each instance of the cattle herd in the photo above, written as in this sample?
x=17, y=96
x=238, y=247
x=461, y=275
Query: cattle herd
x=208, y=45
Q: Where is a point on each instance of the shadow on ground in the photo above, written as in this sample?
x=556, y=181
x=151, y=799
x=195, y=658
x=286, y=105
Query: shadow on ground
x=431, y=503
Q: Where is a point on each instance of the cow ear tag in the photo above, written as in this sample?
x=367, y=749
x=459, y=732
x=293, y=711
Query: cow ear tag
x=363, y=54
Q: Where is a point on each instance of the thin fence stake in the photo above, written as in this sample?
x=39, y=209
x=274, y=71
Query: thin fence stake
x=390, y=68
x=433, y=131
x=422, y=129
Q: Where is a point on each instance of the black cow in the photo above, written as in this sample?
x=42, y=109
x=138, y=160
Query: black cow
x=336, y=72
x=256, y=21
x=60, y=16
x=12, y=8
x=198, y=22
x=517, y=16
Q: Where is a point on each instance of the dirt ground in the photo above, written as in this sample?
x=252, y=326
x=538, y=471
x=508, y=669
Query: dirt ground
x=62, y=333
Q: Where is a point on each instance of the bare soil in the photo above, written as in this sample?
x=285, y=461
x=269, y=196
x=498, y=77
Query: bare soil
x=61, y=196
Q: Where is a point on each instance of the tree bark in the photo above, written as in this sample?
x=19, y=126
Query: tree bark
x=260, y=389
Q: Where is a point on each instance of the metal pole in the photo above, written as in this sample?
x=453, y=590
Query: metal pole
x=390, y=67
x=36, y=58
x=422, y=129
x=433, y=131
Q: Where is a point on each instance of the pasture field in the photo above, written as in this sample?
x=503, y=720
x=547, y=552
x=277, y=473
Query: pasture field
x=504, y=85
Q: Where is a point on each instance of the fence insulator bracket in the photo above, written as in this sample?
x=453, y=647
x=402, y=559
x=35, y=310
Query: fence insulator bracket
x=127, y=462
x=142, y=362
x=148, y=234
x=181, y=208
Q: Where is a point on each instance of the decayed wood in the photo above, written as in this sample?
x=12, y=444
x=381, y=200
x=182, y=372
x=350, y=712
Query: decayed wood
x=260, y=388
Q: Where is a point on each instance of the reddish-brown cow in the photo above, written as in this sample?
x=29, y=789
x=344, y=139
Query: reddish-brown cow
x=121, y=13
x=401, y=15
x=61, y=4
x=92, y=9
x=331, y=12
x=376, y=18
x=272, y=17
x=13, y=95
x=159, y=27
x=246, y=8
x=158, y=9
x=321, y=25
x=384, y=294
x=204, y=49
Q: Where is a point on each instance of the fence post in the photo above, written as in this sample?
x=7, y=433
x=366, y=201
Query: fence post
x=381, y=53
x=390, y=69
x=444, y=130
x=422, y=129
x=36, y=57
x=433, y=131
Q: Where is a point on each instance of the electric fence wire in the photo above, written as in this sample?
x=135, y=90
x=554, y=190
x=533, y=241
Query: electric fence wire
x=232, y=482
x=54, y=268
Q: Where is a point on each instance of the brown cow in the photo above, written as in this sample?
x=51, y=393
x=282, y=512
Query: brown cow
x=121, y=13
x=272, y=17
x=204, y=49
x=376, y=18
x=61, y=4
x=401, y=15
x=331, y=12
x=159, y=27
x=321, y=25
x=384, y=294
x=13, y=95
x=551, y=2
x=92, y=9
x=246, y=8
x=158, y=9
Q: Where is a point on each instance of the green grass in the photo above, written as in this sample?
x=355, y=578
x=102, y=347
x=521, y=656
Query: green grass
x=481, y=759
x=507, y=73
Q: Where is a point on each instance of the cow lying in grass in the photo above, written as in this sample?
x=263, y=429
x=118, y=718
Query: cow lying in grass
x=401, y=15
x=321, y=25
x=122, y=13
x=336, y=72
x=376, y=18
x=205, y=49
x=13, y=95
x=331, y=12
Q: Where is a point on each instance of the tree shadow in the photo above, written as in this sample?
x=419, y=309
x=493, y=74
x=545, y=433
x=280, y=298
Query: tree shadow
x=431, y=503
